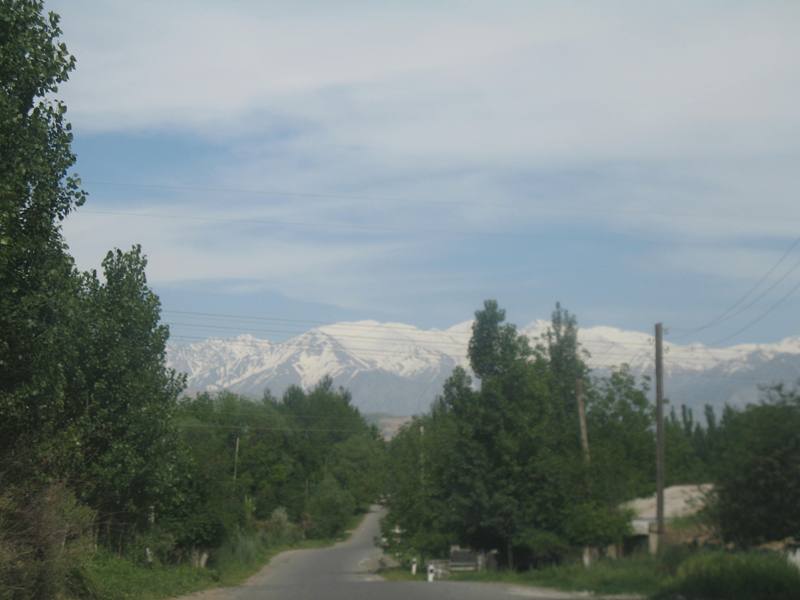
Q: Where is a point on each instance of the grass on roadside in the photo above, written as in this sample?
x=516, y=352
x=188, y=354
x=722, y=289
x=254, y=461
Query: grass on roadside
x=734, y=576
x=632, y=576
x=677, y=573
x=110, y=577
x=635, y=575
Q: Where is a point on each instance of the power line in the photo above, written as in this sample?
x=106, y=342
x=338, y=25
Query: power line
x=370, y=354
x=249, y=428
x=254, y=318
x=762, y=316
x=766, y=291
x=359, y=349
x=226, y=190
x=374, y=326
x=443, y=345
x=240, y=220
x=726, y=315
x=645, y=211
x=397, y=340
x=256, y=342
x=719, y=377
x=329, y=226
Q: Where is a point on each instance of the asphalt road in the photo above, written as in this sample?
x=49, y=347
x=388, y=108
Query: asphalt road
x=346, y=571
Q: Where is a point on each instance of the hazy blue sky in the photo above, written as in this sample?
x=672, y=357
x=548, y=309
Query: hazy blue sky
x=638, y=161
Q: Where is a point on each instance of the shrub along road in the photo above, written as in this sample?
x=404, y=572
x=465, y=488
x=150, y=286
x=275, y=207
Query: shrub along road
x=346, y=571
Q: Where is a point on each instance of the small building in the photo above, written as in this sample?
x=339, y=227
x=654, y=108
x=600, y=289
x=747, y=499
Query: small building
x=679, y=501
x=464, y=559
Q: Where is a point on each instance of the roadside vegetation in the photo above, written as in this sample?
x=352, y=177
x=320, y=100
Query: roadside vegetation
x=499, y=467
x=678, y=574
x=637, y=575
x=110, y=576
x=111, y=483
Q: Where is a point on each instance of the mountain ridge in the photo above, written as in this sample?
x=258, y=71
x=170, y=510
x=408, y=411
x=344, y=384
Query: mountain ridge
x=399, y=369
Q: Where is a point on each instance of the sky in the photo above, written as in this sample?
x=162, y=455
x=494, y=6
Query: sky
x=307, y=162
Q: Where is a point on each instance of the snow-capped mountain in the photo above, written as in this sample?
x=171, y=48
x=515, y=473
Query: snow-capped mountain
x=399, y=369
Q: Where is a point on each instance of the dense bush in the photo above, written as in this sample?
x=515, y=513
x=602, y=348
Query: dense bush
x=45, y=541
x=757, y=483
x=726, y=576
x=330, y=508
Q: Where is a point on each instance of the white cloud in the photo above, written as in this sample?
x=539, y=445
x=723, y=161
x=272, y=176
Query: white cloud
x=673, y=121
x=543, y=82
x=191, y=250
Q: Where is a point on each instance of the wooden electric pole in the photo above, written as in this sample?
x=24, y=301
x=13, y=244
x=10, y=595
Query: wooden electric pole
x=659, y=431
x=589, y=553
x=582, y=420
x=236, y=458
x=422, y=456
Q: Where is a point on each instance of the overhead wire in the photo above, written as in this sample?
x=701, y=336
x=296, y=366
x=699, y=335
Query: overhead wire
x=648, y=211
x=736, y=308
x=262, y=318
x=762, y=316
x=256, y=342
x=335, y=336
x=254, y=192
x=273, y=429
x=372, y=326
x=327, y=226
x=444, y=346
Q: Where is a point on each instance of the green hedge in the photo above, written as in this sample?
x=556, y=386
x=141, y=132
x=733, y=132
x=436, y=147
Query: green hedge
x=729, y=576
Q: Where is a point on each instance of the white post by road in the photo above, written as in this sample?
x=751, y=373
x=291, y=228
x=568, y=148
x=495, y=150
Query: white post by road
x=414, y=566
x=431, y=572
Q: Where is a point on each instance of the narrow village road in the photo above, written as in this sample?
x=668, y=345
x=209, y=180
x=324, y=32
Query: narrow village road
x=346, y=571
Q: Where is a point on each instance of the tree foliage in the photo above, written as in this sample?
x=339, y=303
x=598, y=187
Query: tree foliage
x=37, y=279
x=757, y=471
x=310, y=454
x=500, y=467
x=94, y=443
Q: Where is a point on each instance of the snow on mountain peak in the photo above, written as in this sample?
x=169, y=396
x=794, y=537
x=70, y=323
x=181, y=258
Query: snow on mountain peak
x=399, y=368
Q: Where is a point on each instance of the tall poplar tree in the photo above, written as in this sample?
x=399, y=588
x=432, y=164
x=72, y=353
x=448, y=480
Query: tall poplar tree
x=37, y=283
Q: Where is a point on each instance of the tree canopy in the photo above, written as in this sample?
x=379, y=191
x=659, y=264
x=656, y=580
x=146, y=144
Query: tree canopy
x=499, y=465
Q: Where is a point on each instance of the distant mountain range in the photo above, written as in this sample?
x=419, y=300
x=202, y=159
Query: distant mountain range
x=399, y=369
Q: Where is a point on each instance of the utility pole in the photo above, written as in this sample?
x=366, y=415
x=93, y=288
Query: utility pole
x=236, y=458
x=589, y=553
x=422, y=457
x=582, y=420
x=659, y=432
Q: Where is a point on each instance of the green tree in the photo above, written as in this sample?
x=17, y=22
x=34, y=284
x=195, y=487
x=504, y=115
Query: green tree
x=684, y=440
x=329, y=508
x=620, y=422
x=128, y=447
x=566, y=364
x=501, y=466
x=510, y=478
x=494, y=345
x=757, y=479
x=37, y=282
x=358, y=464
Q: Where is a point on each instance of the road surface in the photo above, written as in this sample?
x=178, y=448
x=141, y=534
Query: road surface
x=346, y=571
